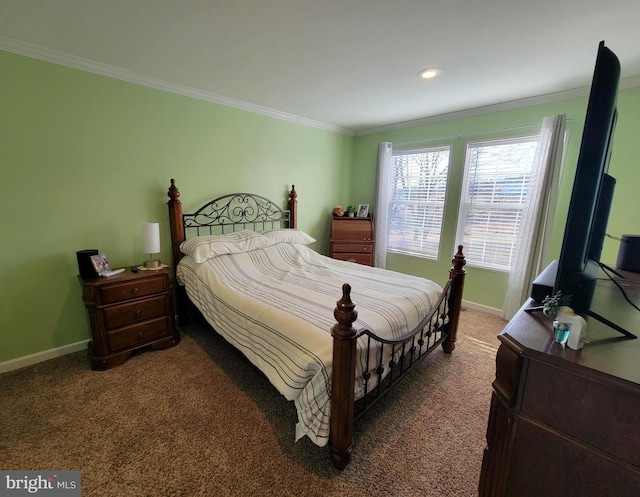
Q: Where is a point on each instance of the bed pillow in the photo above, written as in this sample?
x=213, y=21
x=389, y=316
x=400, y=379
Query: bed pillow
x=202, y=248
x=285, y=235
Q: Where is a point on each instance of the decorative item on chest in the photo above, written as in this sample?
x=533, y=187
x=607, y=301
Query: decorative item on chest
x=552, y=303
x=577, y=327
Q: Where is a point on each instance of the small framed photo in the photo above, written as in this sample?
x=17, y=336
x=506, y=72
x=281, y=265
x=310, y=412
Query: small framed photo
x=363, y=210
x=100, y=264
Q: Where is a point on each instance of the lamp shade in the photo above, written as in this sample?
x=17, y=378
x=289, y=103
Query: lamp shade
x=150, y=238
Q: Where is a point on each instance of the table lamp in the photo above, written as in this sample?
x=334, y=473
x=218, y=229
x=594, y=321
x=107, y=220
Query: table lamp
x=151, y=243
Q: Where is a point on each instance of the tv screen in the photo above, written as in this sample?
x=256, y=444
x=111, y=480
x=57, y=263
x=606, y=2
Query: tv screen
x=577, y=268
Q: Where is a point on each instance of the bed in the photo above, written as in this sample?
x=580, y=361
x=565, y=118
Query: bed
x=241, y=262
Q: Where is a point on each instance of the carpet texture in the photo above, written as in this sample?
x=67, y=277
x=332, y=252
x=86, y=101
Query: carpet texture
x=199, y=420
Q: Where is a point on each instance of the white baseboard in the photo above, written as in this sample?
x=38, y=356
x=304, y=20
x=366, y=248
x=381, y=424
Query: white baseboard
x=45, y=355
x=481, y=307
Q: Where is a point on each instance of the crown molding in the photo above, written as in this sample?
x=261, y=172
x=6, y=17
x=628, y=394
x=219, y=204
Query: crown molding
x=82, y=64
x=488, y=109
x=37, y=52
x=477, y=111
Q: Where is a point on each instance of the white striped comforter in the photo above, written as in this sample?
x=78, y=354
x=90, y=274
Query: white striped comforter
x=276, y=304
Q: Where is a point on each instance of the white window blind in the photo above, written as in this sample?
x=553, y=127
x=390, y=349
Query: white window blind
x=418, y=191
x=495, y=186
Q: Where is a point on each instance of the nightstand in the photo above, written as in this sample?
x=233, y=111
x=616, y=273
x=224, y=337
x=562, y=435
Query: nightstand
x=127, y=312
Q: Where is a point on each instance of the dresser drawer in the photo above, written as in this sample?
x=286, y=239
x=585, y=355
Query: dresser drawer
x=134, y=312
x=570, y=468
x=126, y=290
x=138, y=334
x=602, y=416
x=366, y=259
x=366, y=248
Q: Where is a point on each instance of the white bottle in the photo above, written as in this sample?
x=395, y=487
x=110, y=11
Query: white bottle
x=578, y=326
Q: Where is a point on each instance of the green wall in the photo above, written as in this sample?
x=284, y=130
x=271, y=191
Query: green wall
x=488, y=287
x=85, y=159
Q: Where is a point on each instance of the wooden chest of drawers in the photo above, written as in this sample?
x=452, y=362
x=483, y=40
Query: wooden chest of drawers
x=564, y=422
x=127, y=312
x=352, y=239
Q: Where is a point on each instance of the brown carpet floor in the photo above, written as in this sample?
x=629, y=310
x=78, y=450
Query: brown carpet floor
x=198, y=420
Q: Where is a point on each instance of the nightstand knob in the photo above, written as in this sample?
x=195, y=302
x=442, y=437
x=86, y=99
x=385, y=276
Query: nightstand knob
x=135, y=290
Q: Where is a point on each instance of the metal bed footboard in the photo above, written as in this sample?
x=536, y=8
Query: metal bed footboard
x=405, y=353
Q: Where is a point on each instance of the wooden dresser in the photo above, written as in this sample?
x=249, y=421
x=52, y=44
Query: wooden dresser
x=127, y=312
x=352, y=239
x=564, y=422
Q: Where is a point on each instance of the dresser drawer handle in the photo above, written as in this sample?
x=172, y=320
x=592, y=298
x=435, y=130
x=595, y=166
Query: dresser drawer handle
x=138, y=312
x=140, y=335
x=135, y=290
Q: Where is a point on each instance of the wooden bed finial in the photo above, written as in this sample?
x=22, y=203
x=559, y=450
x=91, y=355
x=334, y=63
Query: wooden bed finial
x=458, y=260
x=344, y=312
x=173, y=193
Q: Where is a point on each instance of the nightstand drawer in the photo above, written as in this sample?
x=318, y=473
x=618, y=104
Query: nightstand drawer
x=134, y=312
x=118, y=292
x=138, y=334
x=352, y=247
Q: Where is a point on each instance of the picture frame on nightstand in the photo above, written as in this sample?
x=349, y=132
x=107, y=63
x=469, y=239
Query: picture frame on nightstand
x=100, y=264
x=363, y=210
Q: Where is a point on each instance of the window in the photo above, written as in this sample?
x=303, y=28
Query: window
x=418, y=191
x=496, y=182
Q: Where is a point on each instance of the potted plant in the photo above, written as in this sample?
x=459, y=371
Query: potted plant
x=351, y=210
x=552, y=303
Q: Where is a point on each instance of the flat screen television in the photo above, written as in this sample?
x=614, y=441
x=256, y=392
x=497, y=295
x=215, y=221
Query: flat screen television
x=576, y=271
x=589, y=206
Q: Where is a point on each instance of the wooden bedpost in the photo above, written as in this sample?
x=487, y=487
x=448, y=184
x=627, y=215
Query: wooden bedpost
x=177, y=237
x=457, y=274
x=343, y=380
x=293, y=208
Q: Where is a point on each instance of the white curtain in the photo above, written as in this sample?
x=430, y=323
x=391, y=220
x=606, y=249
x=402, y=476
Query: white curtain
x=382, y=203
x=537, y=216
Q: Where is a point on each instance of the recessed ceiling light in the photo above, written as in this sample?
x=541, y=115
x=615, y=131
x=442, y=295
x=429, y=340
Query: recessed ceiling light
x=429, y=73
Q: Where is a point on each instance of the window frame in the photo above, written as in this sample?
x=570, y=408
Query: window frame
x=464, y=207
x=429, y=203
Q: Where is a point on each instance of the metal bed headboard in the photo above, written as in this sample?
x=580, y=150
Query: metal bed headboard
x=234, y=212
x=231, y=212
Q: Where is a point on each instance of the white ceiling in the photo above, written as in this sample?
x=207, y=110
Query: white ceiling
x=348, y=64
